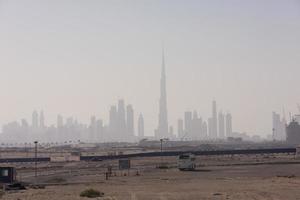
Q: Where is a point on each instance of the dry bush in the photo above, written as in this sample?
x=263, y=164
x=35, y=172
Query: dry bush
x=91, y=193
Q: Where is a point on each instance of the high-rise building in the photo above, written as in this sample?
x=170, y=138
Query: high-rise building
x=196, y=127
x=204, y=130
x=210, y=129
x=162, y=129
x=42, y=120
x=228, y=125
x=214, y=125
x=293, y=132
x=35, y=119
x=221, y=125
x=180, y=129
x=99, y=130
x=121, y=127
x=60, y=121
x=188, y=124
x=141, y=126
x=92, y=129
x=113, y=122
x=279, y=132
x=130, y=120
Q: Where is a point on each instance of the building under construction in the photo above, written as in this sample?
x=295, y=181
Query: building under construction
x=293, y=132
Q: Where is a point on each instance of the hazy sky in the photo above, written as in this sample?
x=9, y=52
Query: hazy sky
x=79, y=57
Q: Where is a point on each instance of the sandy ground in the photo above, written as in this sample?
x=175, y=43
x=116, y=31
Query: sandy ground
x=216, y=178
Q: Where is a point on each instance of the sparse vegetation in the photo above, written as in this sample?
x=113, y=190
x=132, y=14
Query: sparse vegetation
x=91, y=193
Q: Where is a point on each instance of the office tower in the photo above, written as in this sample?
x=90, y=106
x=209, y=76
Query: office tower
x=92, y=129
x=35, y=118
x=188, y=124
x=171, y=132
x=99, y=130
x=24, y=123
x=210, y=129
x=25, y=130
x=162, y=129
x=60, y=121
x=121, y=121
x=204, y=130
x=228, y=125
x=42, y=120
x=180, y=129
x=130, y=120
x=214, y=121
x=221, y=125
x=113, y=121
x=278, y=129
x=141, y=126
x=196, y=125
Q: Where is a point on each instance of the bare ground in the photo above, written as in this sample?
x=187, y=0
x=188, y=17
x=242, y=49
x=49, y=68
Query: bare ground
x=216, y=178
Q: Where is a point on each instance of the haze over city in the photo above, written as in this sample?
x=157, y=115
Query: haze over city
x=78, y=58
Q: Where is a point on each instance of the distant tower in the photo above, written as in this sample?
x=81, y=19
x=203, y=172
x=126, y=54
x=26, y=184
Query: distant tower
x=188, y=124
x=42, y=120
x=214, y=122
x=204, y=130
x=121, y=127
x=210, y=128
x=112, y=122
x=221, y=125
x=162, y=129
x=35, y=119
x=130, y=120
x=228, y=125
x=180, y=129
x=141, y=133
x=99, y=130
x=60, y=121
x=279, y=127
x=92, y=129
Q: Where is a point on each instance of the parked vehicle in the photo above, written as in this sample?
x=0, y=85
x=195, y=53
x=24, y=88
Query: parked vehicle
x=187, y=162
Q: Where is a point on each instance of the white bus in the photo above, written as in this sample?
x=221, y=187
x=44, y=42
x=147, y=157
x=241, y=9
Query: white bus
x=187, y=162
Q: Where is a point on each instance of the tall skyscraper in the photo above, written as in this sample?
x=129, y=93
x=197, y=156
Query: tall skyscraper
x=214, y=128
x=130, y=120
x=121, y=119
x=196, y=125
x=35, y=119
x=60, y=121
x=188, y=124
x=228, y=125
x=99, y=130
x=204, y=130
x=180, y=129
x=92, y=129
x=42, y=120
x=141, y=126
x=279, y=132
x=113, y=121
x=162, y=129
x=210, y=129
x=221, y=125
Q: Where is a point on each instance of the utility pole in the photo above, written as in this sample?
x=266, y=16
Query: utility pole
x=35, y=157
x=161, y=150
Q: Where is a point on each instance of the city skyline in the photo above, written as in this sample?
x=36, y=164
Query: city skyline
x=236, y=53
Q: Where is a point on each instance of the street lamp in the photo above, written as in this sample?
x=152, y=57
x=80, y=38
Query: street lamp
x=161, y=149
x=35, y=157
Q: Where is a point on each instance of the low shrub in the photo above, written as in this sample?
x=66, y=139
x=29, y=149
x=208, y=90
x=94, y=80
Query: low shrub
x=91, y=193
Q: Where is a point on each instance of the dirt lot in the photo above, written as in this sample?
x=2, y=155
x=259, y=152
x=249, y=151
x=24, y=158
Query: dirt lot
x=241, y=177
